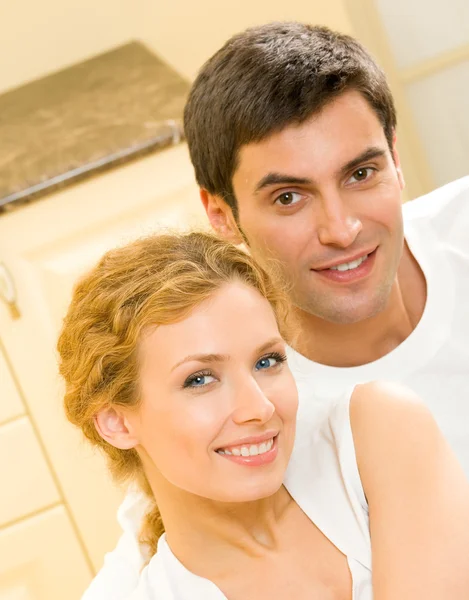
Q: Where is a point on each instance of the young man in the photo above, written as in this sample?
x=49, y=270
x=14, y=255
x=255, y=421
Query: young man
x=291, y=131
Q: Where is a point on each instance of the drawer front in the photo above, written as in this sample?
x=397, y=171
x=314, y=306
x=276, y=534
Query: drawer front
x=41, y=559
x=27, y=484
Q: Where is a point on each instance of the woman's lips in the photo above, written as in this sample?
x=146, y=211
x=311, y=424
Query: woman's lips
x=253, y=455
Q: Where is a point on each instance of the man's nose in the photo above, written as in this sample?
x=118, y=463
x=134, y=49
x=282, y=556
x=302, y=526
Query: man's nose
x=337, y=225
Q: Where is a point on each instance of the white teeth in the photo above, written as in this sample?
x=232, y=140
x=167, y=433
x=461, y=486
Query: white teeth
x=350, y=265
x=252, y=450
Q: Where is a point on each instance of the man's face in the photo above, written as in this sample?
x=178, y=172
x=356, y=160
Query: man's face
x=326, y=193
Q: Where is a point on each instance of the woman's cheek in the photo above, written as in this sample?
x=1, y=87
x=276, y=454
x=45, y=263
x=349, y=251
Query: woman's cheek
x=286, y=399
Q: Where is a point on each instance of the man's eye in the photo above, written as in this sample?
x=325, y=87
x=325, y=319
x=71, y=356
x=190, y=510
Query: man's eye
x=199, y=380
x=288, y=198
x=361, y=174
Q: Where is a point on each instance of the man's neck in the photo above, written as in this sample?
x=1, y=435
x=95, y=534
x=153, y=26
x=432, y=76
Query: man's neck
x=355, y=344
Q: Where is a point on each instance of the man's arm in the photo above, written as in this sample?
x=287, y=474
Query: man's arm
x=418, y=497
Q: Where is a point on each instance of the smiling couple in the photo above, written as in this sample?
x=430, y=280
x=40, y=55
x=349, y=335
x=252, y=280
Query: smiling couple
x=232, y=389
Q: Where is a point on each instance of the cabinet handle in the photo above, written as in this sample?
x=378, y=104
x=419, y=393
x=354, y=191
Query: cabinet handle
x=8, y=292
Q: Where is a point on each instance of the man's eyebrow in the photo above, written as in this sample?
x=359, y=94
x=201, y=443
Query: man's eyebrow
x=276, y=178
x=368, y=154
x=280, y=179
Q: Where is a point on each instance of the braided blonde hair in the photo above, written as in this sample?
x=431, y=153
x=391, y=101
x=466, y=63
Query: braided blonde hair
x=152, y=281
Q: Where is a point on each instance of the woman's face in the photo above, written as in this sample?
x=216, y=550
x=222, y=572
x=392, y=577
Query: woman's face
x=218, y=405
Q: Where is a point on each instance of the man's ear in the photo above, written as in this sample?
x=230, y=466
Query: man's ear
x=221, y=217
x=397, y=161
x=115, y=429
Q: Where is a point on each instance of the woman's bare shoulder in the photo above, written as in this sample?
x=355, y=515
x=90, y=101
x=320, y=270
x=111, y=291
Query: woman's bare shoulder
x=393, y=430
x=383, y=403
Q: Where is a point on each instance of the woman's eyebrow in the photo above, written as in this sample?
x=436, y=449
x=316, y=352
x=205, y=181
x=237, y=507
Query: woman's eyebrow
x=272, y=342
x=211, y=357
x=203, y=358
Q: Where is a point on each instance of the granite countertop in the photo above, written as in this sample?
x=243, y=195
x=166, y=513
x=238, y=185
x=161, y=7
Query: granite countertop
x=89, y=117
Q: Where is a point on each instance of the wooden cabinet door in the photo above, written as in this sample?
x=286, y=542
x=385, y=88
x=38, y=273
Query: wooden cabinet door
x=45, y=247
x=26, y=481
x=42, y=560
x=10, y=400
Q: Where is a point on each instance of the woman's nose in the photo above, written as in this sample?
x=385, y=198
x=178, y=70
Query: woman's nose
x=252, y=404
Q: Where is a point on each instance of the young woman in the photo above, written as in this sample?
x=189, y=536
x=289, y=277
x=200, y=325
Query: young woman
x=174, y=359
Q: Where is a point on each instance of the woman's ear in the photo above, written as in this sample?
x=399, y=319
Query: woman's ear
x=114, y=428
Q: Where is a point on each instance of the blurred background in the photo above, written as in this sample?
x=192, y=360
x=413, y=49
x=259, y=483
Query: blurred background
x=91, y=155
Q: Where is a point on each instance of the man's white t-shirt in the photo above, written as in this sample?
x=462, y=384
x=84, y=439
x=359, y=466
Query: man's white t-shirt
x=433, y=360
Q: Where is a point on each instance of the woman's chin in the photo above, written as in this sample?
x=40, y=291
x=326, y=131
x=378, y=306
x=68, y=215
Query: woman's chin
x=250, y=493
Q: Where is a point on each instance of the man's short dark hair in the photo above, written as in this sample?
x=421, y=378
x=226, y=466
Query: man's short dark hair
x=267, y=78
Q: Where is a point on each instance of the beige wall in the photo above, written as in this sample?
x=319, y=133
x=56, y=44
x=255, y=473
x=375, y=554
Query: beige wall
x=41, y=37
x=187, y=32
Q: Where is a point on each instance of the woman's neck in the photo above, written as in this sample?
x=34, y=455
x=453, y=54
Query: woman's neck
x=199, y=531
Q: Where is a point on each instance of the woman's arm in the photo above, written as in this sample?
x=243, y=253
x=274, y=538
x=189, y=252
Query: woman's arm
x=418, y=497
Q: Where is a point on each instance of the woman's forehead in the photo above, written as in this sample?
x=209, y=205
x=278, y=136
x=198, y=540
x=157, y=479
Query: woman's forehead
x=236, y=316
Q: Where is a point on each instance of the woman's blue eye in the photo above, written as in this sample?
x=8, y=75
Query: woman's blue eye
x=199, y=380
x=267, y=362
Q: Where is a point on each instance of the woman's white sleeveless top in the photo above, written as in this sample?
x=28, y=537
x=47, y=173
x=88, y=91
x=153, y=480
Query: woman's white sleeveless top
x=322, y=478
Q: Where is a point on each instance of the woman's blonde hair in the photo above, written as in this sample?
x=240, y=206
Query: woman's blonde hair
x=153, y=281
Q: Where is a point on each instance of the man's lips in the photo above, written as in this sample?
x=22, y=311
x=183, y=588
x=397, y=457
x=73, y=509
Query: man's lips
x=345, y=259
x=349, y=275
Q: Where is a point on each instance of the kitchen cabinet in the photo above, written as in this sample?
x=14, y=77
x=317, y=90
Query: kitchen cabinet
x=27, y=482
x=41, y=559
x=11, y=405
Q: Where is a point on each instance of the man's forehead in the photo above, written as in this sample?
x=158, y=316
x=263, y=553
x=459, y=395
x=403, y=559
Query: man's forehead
x=336, y=136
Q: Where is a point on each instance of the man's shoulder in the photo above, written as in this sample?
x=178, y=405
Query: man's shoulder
x=120, y=578
x=132, y=510
x=442, y=209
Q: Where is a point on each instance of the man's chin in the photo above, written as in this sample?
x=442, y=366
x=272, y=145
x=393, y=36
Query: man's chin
x=348, y=311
